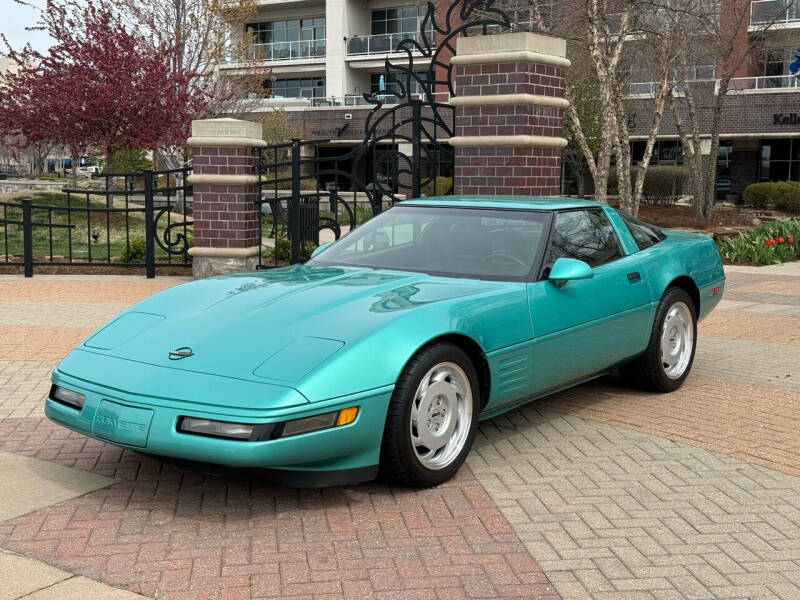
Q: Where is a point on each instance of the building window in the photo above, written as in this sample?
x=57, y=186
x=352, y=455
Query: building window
x=777, y=61
x=705, y=67
x=312, y=87
x=724, y=161
x=403, y=19
x=294, y=30
x=780, y=160
x=416, y=88
x=285, y=40
x=665, y=152
x=776, y=67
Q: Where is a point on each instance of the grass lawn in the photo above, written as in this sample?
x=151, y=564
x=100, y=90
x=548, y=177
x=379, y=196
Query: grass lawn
x=114, y=230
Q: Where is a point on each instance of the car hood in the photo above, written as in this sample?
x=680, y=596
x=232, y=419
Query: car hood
x=275, y=325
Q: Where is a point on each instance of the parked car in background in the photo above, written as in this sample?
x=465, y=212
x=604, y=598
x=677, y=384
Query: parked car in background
x=383, y=352
x=88, y=170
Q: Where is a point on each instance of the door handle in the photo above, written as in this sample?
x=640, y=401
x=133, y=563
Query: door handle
x=634, y=276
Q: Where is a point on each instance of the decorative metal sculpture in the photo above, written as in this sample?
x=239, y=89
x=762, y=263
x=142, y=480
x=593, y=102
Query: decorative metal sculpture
x=428, y=118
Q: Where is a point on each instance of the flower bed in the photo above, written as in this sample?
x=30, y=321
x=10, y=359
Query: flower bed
x=769, y=244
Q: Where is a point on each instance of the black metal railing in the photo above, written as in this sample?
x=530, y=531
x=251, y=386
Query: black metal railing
x=136, y=220
x=311, y=191
x=297, y=205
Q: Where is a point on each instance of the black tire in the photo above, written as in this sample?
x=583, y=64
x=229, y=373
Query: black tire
x=399, y=461
x=648, y=371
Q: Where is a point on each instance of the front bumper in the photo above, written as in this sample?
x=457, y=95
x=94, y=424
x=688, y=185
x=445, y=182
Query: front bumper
x=149, y=424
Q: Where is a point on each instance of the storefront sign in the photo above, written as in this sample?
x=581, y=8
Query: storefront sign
x=786, y=119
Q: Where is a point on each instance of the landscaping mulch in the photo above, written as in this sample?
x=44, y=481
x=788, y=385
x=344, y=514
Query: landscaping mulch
x=680, y=216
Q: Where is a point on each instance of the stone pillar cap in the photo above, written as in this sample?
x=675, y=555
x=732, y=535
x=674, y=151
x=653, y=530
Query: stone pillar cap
x=226, y=132
x=522, y=46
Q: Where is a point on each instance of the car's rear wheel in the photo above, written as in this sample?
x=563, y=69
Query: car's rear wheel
x=432, y=417
x=666, y=363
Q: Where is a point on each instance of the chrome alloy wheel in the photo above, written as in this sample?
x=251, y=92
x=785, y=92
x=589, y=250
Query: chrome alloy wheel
x=441, y=413
x=677, y=340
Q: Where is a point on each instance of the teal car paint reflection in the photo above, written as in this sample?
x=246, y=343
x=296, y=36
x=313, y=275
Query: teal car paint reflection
x=305, y=340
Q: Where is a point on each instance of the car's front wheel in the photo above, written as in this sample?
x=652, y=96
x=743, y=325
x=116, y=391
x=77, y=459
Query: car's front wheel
x=432, y=417
x=666, y=363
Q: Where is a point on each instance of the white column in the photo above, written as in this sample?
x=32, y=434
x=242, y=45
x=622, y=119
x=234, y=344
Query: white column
x=335, y=30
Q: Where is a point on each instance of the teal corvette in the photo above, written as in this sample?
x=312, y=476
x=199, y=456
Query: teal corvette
x=383, y=351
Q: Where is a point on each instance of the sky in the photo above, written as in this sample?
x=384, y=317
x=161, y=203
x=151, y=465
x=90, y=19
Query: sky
x=13, y=20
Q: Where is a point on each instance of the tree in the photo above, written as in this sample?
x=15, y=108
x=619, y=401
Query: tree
x=131, y=160
x=663, y=26
x=203, y=33
x=98, y=87
x=585, y=98
x=276, y=130
x=721, y=34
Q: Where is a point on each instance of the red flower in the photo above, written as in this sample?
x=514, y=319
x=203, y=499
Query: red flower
x=780, y=240
x=790, y=240
x=769, y=242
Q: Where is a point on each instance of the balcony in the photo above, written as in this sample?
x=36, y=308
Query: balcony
x=348, y=101
x=778, y=14
x=383, y=43
x=745, y=85
x=279, y=51
x=768, y=83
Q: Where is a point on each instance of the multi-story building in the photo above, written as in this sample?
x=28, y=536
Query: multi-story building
x=760, y=133
x=323, y=55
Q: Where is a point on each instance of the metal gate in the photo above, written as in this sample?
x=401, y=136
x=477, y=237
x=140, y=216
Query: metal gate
x=307, y=198
x=135, y=220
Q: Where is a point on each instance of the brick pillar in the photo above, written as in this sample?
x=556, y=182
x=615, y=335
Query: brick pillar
x=225, y=191
x=508, y=137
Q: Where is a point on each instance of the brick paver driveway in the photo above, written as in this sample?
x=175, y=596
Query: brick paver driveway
x=597, y=492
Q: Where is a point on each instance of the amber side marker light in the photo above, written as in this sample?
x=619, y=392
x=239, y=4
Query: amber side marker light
x=318, y=422
x=347, y=416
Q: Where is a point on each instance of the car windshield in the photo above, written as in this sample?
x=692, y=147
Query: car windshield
x=448, y=241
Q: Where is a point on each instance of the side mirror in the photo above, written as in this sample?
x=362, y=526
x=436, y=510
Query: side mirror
x=320, y=248
x=569, y=269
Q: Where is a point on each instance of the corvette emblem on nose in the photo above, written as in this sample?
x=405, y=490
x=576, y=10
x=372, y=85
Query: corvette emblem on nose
x=180, y=353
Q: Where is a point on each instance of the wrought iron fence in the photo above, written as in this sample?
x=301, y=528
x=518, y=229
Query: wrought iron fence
x=299, y=209
x=135, y=220
x=309, y=196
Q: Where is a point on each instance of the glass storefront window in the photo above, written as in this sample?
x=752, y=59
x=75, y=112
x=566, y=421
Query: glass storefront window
x=780, y=160
x=724, y=173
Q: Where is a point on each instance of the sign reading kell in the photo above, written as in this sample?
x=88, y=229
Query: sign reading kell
x=786, y=119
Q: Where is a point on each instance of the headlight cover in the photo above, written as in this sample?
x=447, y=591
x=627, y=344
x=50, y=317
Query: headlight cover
x=262, y=432
x=68, y=397
x=220, y=429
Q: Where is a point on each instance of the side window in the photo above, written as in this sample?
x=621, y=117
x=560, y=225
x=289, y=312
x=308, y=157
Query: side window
x=586, y=235
x=645, y=235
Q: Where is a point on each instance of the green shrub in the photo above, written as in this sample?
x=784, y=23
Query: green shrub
x=283, y=249
x=784, y=195
x=438, y=186
x=130, y=160
x=769, y=244
x=135, y=251
x=663, y=184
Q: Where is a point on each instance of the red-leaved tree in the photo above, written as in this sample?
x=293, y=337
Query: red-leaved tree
x=98, y=88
